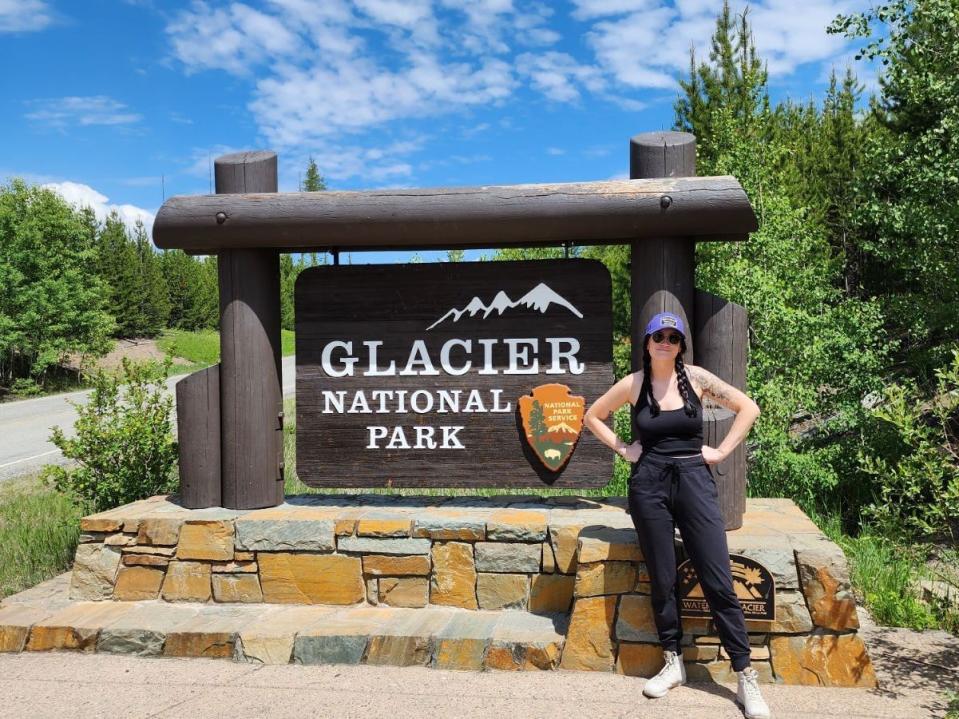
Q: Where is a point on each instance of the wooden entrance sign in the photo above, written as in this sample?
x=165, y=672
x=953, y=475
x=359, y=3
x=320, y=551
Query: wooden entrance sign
x=413, y=375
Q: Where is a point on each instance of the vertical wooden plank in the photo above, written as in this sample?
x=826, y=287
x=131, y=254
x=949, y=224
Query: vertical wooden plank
x=721, y=328
x=662, y=268
x=198, y=433
x=251, y=395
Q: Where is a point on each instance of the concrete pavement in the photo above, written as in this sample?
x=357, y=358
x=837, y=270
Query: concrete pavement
x=25, y=425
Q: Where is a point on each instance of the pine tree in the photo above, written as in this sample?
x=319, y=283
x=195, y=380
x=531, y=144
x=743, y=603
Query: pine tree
x=119, y=268
x=154, y=297
x=314, y=181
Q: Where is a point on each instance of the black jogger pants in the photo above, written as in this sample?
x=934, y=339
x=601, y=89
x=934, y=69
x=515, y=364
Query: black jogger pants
x=668, y=491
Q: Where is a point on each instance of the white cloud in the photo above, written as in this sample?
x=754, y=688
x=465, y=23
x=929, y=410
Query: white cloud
x=84, y=111
x=324, y=73
x=24, y=15
x=646, y=44
x=80, y=195
x=558, y=76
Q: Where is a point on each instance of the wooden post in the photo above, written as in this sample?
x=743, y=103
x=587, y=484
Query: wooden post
x=722, y=334
x=198, y=433
x=251, y=396
x=662, y=268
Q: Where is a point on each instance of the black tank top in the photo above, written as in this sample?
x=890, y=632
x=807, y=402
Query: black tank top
x=672, y=432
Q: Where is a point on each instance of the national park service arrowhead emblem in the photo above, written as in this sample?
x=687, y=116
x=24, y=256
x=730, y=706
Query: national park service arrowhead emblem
x=552, y=421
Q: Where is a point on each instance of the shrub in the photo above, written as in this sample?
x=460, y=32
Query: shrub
x=124, y=440
x=911, y=452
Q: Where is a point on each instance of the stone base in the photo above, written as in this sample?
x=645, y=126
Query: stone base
x=480, y=582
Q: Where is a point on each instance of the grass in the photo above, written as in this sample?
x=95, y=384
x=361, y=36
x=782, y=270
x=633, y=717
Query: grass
x=39, y=531
x=885, y=574
x=202, y=348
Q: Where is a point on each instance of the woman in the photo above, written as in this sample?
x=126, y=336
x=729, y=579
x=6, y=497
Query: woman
x=672, y=486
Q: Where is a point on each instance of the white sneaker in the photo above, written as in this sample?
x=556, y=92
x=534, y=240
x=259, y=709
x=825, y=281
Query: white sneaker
x=671, y=675
x=748, y=695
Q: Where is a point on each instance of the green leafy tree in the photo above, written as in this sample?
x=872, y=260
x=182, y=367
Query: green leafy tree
x=52, y=301
x=909, y=213
x=815, y=352
x=124, y=443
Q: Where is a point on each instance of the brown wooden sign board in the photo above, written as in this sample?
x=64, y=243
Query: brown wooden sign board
x=411, y=375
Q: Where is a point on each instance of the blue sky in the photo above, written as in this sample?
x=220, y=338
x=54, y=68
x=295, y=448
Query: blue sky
x=114, y=102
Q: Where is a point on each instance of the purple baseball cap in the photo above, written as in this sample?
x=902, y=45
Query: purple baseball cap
x=665, y=320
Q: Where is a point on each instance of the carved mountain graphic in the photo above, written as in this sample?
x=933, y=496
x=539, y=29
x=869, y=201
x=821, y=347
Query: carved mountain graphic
x=540, y=298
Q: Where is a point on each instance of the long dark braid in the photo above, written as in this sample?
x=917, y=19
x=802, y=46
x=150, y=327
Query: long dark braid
x=682, y=380
x=647, y=382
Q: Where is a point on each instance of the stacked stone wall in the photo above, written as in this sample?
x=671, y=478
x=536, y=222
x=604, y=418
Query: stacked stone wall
x=570, y=557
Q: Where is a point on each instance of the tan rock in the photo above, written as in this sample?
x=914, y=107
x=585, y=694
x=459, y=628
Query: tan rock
x=551, y=593
x=608, y=544
x=372, y=591
x=792, y=616
x=311, y=578
x=235, y=567
x=825, y=660
x=144, y=560
x=721, y=671
x=635, y=622
x=453, y=582
x=516, y=657
x=549, y=559
x=269, y=639
x=210, y=540
x=639, y=660
x=701, y=653
x=385, y=565
x=163, y=531
x=136, y=583
x=187, y=582
x=211, y=633
x=604, y=578
x=589, y=643
x=565, y=539
x=450, y=524
x=502, y=591
x=404, y=591
x=98, y=523
x=463, y=642
x=344, y=526
x=522, y=525
x=383, y=527
x=237, y=588
x=120, y=540
x=825, y=583
x=146, y=550
x=15, y=623
x=95, y=570
x=243, y=556
x=75, y=627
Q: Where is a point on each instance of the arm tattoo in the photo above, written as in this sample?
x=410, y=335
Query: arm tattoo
x=711, y=384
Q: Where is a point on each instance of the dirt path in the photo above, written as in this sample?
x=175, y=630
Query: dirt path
x=136, y=349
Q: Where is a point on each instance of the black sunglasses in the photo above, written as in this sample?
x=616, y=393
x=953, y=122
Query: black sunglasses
x=673, y=337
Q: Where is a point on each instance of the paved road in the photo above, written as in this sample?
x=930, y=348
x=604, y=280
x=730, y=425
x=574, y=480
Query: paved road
x=25, y=425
